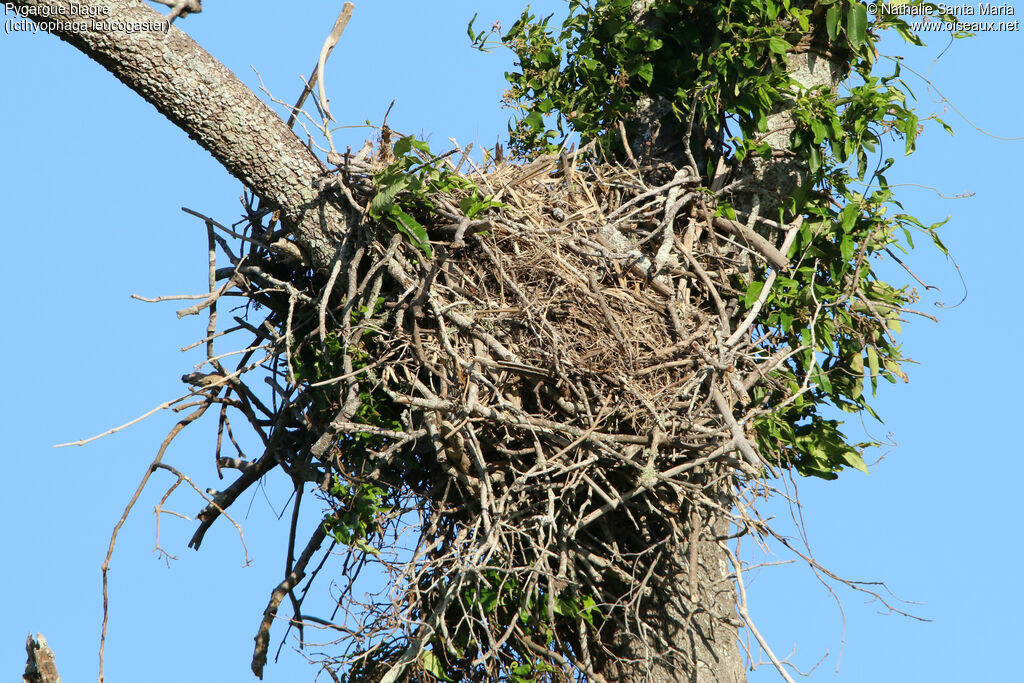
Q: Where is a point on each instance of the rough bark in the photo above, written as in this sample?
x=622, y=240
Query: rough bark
x=690, y=608
x=777, y=178
x=41, y=666
x=206, y=100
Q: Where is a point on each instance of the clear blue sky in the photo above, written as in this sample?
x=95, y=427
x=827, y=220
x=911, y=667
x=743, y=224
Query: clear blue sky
x=93, y=178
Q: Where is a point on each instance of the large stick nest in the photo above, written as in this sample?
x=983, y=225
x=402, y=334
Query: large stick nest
x=559, y=394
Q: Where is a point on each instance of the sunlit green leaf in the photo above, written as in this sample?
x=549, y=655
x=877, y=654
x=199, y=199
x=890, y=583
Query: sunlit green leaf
x=857, y=23
x=411, y=228
x=854, y=459
x=384, y=199
x=778, y=45
x=753, y=291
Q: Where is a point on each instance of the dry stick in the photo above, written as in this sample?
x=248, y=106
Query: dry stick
x=180, y=8
x=223, y=333
x=235, y=464
x=223, y=228
x=184, y=422
x=761, y=371
x=174, y=297
x=259, y=656
x=878, y=316
x=325, y=51
x=706, y=279
x=159, y=510
x=339, y=28
x=742, y=608
x=248, y=477
x=182, y=477
x=613, y=325
x=210, y=300
x=753, y=240
x=639, y=264
x=765, y=290
x=412, y=652
x=162, y=406
x=682, y=177
x=625, y=143
x=290, y=559
x=211, y=326
x=740, y=439
x=328, y=288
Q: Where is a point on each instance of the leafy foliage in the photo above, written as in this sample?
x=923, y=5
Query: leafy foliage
x=406, y=185
x=357, y=513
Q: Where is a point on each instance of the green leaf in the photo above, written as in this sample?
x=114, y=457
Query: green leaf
x=753, y=291
x=432, y=665
x=820, y=133
x=857, y=24
x=535, y=121
x=873, y=363
x=846, y=247
x=814, y=161
x=935, y=237
x=385, y=199
x=403, y=146
x=832, y=21
x=360, y=544
x=587, y=609
x=646, y=72
x=854, y=459
x=910, y=132
x=805, y=23
x=848, y=216
x=820, y=377
x=412, y=229
x=894, y=367
x=778, y=45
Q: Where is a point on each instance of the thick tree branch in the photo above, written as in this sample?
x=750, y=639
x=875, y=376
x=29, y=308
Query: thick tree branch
x=206, y=100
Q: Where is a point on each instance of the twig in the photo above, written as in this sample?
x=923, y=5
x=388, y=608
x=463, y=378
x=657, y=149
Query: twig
x=741, y=607
x=162, y=406
x=105, y=568
x=331, y=40
x=259, y=657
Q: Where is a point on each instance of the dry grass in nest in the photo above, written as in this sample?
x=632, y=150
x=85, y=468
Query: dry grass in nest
x=589, y=313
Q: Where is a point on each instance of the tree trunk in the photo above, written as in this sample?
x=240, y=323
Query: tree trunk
x=691, y=597
x=690, y=604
